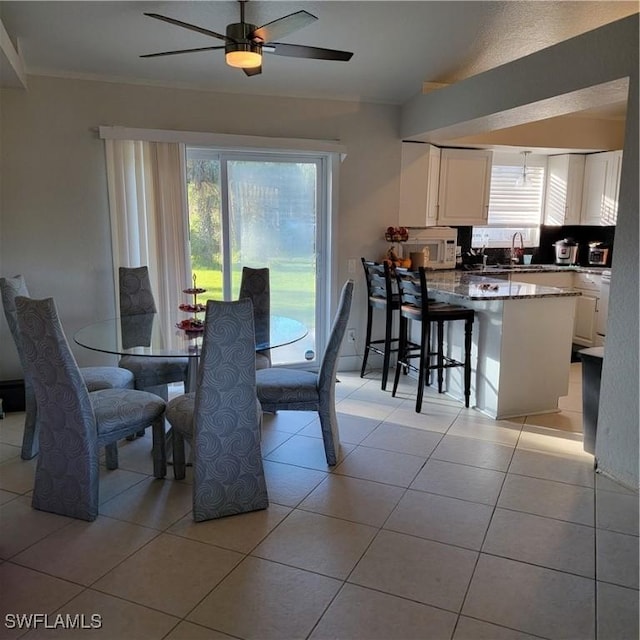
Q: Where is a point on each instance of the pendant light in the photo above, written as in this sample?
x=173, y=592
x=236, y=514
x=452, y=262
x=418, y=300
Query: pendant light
x=522, y=180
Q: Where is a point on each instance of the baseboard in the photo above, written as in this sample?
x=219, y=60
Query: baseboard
x=12, y=395
x=349, y=363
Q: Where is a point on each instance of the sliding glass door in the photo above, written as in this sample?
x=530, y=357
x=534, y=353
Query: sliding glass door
x=261, y=210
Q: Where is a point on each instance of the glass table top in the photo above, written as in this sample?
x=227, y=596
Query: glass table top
x=145, y=335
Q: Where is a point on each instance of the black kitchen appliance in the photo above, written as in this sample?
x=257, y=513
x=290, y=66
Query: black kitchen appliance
x=566, y=251
x=598, y=254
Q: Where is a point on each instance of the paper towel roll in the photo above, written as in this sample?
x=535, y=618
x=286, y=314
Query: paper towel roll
x=417, y=259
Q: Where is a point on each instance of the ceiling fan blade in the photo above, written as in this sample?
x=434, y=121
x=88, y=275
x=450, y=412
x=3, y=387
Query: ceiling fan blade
x=283, y=26
x=254, y=71
x=172, y=53
x=302, y=51
x=186, y=25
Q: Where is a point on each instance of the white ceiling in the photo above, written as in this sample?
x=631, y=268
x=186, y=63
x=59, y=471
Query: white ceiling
x=397, y=45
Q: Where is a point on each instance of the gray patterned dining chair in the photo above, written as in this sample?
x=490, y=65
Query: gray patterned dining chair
x=282, y=389
x=222, y=418
x=151, y=373
x=74, y=423
x=255, y=286
x=95, y=378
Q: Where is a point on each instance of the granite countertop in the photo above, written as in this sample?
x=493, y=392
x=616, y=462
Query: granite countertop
x=473, y=286
x=537, y=268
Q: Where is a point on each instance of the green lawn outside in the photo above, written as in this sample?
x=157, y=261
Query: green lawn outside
x=292, y=289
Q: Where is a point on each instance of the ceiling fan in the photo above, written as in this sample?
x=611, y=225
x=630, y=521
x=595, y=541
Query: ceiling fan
x=244, y=43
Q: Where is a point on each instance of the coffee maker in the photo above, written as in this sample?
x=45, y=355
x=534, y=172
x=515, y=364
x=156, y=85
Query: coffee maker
x=566, y=251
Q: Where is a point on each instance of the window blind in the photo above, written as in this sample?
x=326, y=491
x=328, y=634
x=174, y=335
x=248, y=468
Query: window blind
x=512, y=202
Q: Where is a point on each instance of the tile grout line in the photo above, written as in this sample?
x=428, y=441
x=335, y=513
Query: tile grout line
x=484, y=537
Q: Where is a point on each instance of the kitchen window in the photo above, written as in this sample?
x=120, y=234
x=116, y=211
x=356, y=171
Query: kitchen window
x=515, y=201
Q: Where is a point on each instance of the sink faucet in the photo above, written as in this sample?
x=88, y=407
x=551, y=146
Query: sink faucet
x=516, y=253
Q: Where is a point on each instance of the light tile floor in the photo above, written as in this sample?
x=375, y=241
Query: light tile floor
x=444, y=525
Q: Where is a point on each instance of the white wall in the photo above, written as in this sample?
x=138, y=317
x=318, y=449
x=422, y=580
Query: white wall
x=549, y=81
x=54, y=217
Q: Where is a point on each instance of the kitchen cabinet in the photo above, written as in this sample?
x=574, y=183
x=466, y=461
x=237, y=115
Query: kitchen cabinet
x=419, y=176
x=463, y=190
x=521, y=344
x=563, y=193
x=600, y=188
x=443, y=186
x=587, y=309
x=584, y=328
x=587, y=304
x=562, y=280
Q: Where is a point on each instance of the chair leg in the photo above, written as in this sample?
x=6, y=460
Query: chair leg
x=179, y=467
x=159, y=448
x=31, y=434
x=388, y=339
x=387, y=353
x=329, y=427
x=468, y=325
x=402, y=347
x=423, y=362
x=429, y=339
x=367, y=342
x=111, y=455
x=440, y=356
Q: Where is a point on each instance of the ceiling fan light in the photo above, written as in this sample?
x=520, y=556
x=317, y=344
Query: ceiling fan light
x=243, y=59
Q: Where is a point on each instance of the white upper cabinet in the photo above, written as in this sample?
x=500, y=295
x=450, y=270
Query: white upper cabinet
x=601, y=187
x=465, y=180
x=563, y=194
x=419, y=177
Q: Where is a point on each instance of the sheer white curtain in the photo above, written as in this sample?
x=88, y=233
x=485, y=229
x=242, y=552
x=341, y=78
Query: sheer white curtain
x=148, y=205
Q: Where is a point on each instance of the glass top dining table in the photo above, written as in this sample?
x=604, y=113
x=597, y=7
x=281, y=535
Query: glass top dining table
x=145, y=335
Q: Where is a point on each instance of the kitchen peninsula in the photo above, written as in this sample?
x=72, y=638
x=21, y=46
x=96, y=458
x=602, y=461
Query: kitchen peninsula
x=521, y=350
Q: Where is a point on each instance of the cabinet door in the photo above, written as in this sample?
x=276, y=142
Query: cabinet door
x=419, y=174
x=584, y=328
x=465, y=179
x=609, y=214
x=601, y=185
x=563, y=193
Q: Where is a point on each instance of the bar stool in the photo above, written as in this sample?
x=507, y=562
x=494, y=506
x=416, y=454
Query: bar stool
x=416, y=305
x=380, y=296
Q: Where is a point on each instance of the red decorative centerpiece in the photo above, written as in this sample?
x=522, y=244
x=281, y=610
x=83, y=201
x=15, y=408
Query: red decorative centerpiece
x=192, y=326
x=396, y=234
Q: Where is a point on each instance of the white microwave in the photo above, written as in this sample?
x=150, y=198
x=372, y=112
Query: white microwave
x=437, y=245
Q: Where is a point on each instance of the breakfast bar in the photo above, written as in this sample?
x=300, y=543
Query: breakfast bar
x=521, y=350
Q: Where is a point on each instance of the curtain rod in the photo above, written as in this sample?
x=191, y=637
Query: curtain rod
x=223, y=140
